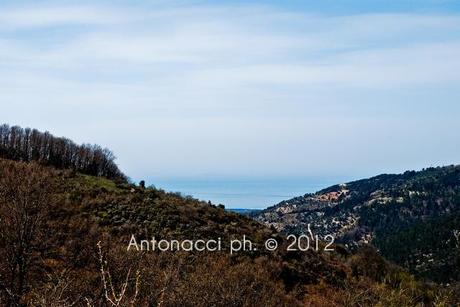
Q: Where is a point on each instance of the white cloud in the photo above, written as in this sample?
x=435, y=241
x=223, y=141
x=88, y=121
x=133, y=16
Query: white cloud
x=233, y=83
x=57, y=16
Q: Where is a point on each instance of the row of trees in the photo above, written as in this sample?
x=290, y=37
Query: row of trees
x=28, y=145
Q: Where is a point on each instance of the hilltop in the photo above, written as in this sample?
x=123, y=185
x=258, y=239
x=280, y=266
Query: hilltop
x=25, y=144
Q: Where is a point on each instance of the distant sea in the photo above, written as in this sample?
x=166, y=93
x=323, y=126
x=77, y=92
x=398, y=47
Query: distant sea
x=246, y=193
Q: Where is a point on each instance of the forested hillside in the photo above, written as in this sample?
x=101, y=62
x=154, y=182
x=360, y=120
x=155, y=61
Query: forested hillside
x=64, y=237
x=412, y=218
x=28, y=144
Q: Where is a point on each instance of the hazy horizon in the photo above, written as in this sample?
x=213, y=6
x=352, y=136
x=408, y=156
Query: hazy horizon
x=244, y=192
x=250, y=192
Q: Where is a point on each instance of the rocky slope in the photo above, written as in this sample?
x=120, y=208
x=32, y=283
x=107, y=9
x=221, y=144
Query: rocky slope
x=412, y=218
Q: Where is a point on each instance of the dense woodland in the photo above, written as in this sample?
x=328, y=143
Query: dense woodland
x=411, y=218
x=28, y=145
x=415, y=226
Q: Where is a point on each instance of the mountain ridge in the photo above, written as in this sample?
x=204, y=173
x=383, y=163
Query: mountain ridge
x=373, y=210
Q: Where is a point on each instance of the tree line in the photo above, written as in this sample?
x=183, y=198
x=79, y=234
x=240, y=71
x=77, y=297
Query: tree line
x=25, y=144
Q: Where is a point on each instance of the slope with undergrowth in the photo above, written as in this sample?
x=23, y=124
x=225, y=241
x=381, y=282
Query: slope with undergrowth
x=412, y=218
x=59, y=263
x=67, y=215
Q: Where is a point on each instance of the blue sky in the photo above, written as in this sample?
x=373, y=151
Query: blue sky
x=239, y=88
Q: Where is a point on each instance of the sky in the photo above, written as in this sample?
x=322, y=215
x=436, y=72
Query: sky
x=239, y=89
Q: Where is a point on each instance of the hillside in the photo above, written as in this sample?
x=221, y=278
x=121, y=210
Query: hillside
x=59, y=216
x=65, y=236
x=412, y=218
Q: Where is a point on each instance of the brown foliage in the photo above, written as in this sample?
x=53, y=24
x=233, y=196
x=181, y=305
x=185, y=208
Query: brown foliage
x=52, y=221
x=24, y=202
x=28, y=144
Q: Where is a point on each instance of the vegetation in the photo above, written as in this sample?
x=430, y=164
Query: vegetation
x=65, y=229
x=410, y=218
x=28, y=144
x=64, y=238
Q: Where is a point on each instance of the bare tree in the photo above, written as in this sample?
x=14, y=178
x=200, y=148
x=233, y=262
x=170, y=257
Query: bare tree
x=114, y=297
x=24, y=199
x=28, y=145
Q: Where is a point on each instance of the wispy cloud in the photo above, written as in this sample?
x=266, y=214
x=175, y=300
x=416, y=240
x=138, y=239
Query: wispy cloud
x=181, y=69
x=22, y=18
